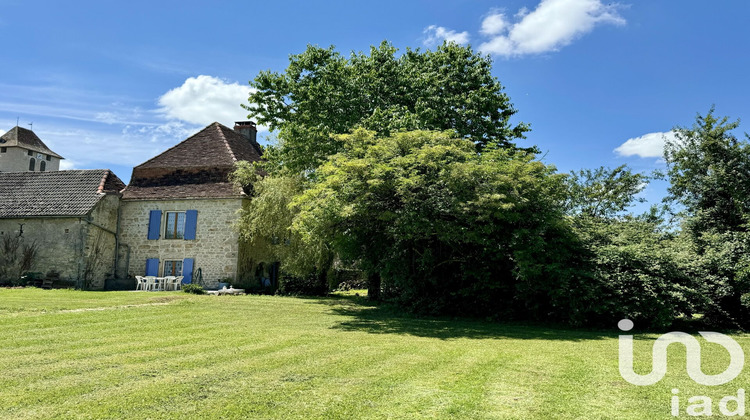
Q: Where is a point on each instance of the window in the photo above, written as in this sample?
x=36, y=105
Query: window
x=175, y=222
x=3, y=149
x=42, y=166
x=49, y=157
x=31, y=153
x=172, y=268
x=32, y=164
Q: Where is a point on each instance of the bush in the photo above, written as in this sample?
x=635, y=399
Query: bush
x=346, y=279
x=637, y=272
x=16, y=258
x=314, y=284
x=194, y=289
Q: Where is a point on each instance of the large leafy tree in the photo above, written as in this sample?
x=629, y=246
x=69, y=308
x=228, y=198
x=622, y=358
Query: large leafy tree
x=633, y=266
x=448, y=229
x=709, y=174
x=323, y=93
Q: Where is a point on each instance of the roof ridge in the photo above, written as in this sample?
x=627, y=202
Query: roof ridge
x=50, y=173
x=100, y=188
x=226, y=141
x=183, y=141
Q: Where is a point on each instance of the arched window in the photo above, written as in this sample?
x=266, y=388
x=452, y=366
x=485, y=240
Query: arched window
x=42, y=166
x=32, y=163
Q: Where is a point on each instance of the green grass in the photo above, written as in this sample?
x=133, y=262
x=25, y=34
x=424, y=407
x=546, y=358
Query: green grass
x=70, y=354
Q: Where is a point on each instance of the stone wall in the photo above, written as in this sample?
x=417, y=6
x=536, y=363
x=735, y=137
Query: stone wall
x=99, y=253
x=59, y=242
x=16, y=159
x=214, y=249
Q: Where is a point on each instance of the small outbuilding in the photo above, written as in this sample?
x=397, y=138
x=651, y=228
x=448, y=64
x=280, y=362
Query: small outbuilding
x=69, y=217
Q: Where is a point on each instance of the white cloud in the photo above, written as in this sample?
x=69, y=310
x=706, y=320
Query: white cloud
x=205, y=99
x=649, y=145
x=67, y=164
x=551, y=26
x=2, y=132
x=437, y=34
x=106, y=131
x=494, y=23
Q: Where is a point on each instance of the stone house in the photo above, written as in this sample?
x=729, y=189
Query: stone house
x=174, y=218
x=177, y=212
x=21, y=150
x=70, y=215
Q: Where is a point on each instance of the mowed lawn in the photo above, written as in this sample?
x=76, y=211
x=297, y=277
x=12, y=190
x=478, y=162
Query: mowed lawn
x=71, y=354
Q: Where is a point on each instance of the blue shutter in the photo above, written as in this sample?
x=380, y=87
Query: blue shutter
x=191, y=223
x=154, y=224
x=152, y=267
x=187, y=270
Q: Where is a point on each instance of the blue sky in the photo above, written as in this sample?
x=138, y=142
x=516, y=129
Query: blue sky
x=109, y=84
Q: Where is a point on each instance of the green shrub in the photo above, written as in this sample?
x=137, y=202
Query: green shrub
x=312, y=284
x=194, y=289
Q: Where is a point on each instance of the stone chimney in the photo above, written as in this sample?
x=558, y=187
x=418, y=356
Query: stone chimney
x=247, y=129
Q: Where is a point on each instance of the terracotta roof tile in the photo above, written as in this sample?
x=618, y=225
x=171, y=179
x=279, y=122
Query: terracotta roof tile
x=197, y=167
x=56, y=193
x=215, y=145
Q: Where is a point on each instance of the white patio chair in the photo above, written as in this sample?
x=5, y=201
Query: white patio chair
x=151, y=283
x=169, y=283
x=178, y=282
x=140, y=283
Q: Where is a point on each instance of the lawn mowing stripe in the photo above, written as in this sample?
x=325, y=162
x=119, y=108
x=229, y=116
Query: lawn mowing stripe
x=281, y=364
x=166, y=345
x=277, y=357
x=202, y=354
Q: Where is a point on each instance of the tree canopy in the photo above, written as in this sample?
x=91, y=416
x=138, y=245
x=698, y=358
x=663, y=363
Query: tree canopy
x=405, y=168
x=444, y=226
x=323, y=93
x=603, y=192
x=709, y=173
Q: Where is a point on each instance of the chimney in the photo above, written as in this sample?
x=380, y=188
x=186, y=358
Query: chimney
x=247, y=129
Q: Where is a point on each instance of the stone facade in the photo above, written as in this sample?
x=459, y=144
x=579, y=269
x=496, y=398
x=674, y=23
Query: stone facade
x=17, y=159
x=91, y=227
x=101, y=244
x=214, y=250
x=81, y=249
x=21, y=150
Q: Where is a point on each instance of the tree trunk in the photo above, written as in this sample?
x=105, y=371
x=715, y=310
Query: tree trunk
x=373, y=286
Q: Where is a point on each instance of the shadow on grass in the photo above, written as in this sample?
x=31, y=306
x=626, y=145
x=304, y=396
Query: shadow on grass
x=364, y=316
